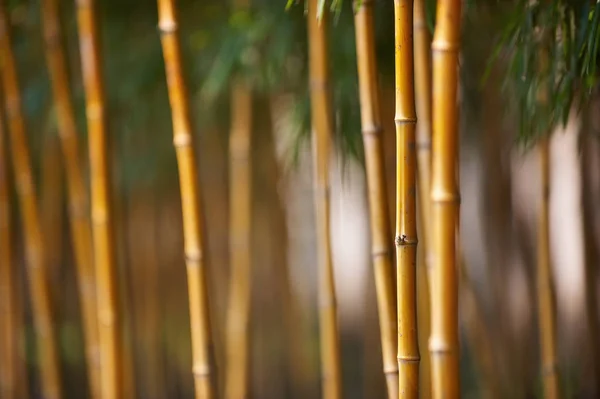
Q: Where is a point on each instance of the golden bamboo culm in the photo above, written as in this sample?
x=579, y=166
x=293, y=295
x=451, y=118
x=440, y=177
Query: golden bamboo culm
x=8, y=322
x=322, y=130
x=545, y=291
x=34, y=246
x=190, y=200
x=381, y=247
x=109, y=332
x=77, y=196
x=443, y=343
x=406, y=193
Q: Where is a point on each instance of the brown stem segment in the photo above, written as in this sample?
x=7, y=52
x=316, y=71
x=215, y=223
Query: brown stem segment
x=321, y=116
x=190, y=200
x=545, y=290
x=77, y=196
x=34, y=246
x=443, y=343
x=381, y=248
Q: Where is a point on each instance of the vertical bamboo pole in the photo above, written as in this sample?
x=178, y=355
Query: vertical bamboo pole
x=36, y=266
x=8, y=322
x=547, y=322
x=322, y=129
x=77, y=196
x=102, y=229
x=190, y=199
x=381, y=247
x=443, y=343
x=238, y=311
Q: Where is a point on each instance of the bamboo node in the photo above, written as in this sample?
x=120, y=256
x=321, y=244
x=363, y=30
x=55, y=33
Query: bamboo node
x=167, y=26
x=373, y=130
x=550, y=369
x=409, y=359
x=193, y=256
x=317, y=85
x=182, y=139
x=201, y=370
x=439, y=196
x=403, y=240
x=439, y=346
x=392, y=369
x=424, y=144
x=404, y=120
x=380, y=253
x=445, y=46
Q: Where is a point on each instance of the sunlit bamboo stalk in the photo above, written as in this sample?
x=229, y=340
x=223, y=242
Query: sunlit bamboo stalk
x=107, y=291
x=8, y=322
x=443, y=343
x=381, y=246
x=77, y=197
x=190, y=199
x=322, y=130
x=545, y=290
x=34, y=246
x=238, y=310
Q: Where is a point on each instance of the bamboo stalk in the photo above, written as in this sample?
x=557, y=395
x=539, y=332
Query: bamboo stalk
x=8, y=282
x=443, y=343
x=77, y=196
x=381, y=248
x=238, y=311
x=322, y=130
x=190, y=200
x=102, y=224
x=546, y=314
x=406, y=191
x=34, y=246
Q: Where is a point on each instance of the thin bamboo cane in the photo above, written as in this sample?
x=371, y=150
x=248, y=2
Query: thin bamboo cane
x=8, y=326
x=36, y=261
x=406, y=192
x=546, y=314
x=190, y=200
x=77, y=196
x=443, y=343
x=321, y=116
x=381, y=248
x=102, y=224
x=238, y=311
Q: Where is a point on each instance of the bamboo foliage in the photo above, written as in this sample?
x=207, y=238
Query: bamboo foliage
x=238, y=311
x=321, y=121
x=102, y=229
x=381, y=251
x=546, y=314
x=406, y=192
x=190, y=197
x=8, y=322
x=36, y=266
x=443, y=344
x=77, y=196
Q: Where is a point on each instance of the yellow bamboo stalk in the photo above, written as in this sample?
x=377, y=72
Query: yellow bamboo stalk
x=34, y=246
x=406, y=192
x=77, y=196
x=238, y=311
x=381, y=248
x=102, y=224
x=8, y=322
x=443, y=343
x=322, y=128
x=190, y=199
x=545, y=290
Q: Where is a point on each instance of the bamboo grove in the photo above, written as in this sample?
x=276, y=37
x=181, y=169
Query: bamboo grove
x=238, y=257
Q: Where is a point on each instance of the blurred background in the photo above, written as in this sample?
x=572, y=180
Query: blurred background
x=500, y=194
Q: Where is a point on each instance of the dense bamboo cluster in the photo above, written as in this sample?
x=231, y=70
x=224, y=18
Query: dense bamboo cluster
x=77, y=196
x=103, y=247
x=322, y=130
x=443, y=343
x=190, y=200
x=34, y=246
x=381, y=251
x=545, y=290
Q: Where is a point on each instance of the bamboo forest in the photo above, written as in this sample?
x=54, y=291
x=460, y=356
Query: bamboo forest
x=270, y=199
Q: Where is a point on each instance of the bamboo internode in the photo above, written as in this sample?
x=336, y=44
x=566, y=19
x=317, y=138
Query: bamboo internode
x=321, y=119
x=34, y=246
x=443, y=343
x=77, y=196
x=381, y=248
x=103, y=247
x=190, y=200
x=406, y=192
